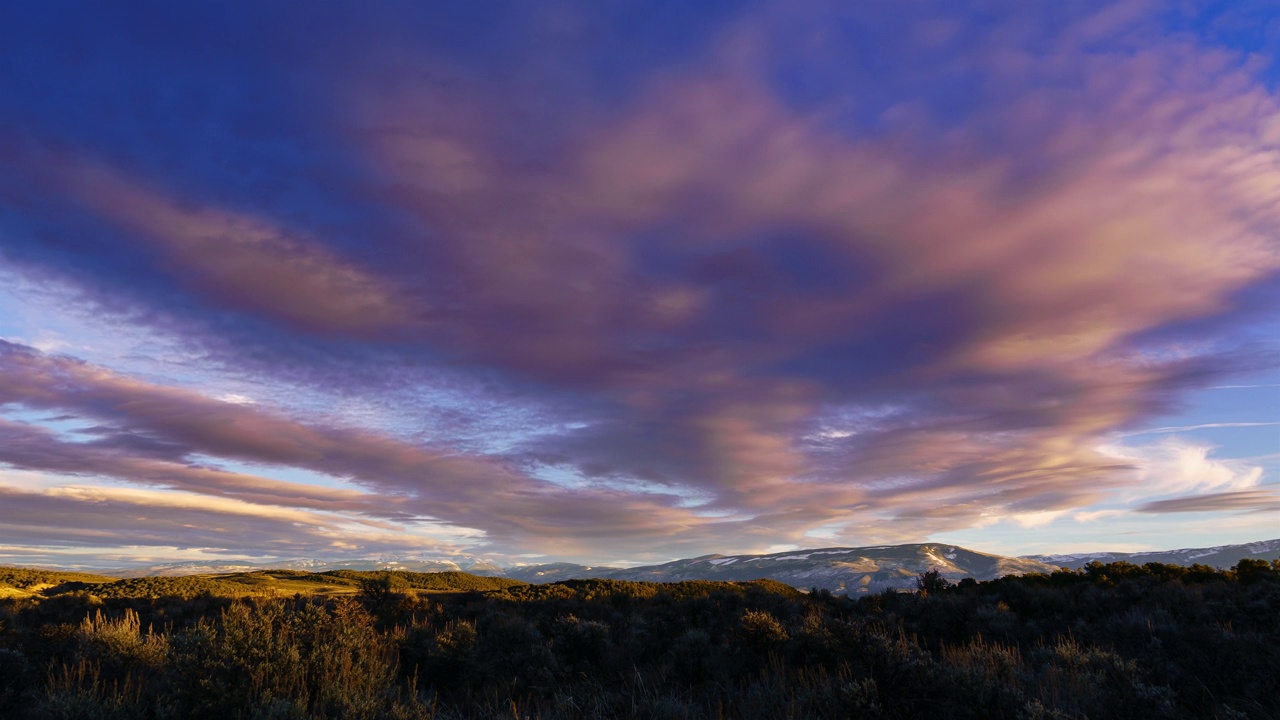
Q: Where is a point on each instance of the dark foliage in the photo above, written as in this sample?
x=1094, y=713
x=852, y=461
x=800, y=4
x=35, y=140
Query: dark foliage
x=28, y=578
x=1108, y=641
x=186, y=586
x=436, y=581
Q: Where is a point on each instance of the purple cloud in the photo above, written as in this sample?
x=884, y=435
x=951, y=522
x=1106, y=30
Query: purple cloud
x=405, y=480
x=1259, y=500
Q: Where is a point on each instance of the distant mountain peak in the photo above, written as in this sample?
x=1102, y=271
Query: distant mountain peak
x=1219, y=556
x=851, y=570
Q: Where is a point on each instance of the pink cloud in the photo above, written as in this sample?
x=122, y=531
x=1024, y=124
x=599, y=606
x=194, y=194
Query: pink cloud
x=241, y=261
x=413, y=482
x=113, y=518
x=1254, y=500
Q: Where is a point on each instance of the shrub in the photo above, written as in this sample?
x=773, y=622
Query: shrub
x=78, y=692
x=16, y=677
x=759, y=631
x=932, y=581
x=305, y=659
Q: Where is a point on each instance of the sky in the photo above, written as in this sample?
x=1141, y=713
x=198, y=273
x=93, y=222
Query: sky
x=627, y=282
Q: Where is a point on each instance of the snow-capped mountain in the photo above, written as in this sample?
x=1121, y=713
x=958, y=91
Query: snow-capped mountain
x=1222, y=556
x=841, y=570
x=211, y=567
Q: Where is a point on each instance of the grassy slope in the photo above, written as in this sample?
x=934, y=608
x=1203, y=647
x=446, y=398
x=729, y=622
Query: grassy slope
x=27, y=582
x=433, y=582
x=24, y=582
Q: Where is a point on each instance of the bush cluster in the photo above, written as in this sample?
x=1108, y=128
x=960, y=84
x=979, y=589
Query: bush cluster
x=1108, y=641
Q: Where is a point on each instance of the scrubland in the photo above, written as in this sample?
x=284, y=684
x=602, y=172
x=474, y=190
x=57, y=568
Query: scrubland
x=1108, y=641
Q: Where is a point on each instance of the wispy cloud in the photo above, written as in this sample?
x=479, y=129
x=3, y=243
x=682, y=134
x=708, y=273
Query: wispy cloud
x=149, y=434
x=1257, y=500
x=94, y=517
x=1201, y=426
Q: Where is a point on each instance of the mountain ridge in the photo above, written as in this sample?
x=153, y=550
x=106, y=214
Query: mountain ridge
x=1218, y=556
x=849, y=570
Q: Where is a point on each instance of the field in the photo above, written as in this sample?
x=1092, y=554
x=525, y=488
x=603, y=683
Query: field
x=1108, y=641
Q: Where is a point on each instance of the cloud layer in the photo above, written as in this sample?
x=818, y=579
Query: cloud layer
x=765, y=275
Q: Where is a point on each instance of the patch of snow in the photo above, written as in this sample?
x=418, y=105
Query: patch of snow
x=1072, y=558
x=929, y=554
x=723, y=561
x=794, y=557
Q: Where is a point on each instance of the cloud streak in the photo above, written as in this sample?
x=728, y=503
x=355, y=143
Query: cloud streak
x=1258, y=500
x=403, y=480
x=239, y=261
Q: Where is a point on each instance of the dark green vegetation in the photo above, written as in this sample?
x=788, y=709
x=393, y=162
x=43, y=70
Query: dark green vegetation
x=1108, y=641
x=25, y=582
x=399, y=580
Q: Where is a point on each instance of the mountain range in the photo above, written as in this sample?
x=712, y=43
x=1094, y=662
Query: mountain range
x=841, y=569
x=1222, y=556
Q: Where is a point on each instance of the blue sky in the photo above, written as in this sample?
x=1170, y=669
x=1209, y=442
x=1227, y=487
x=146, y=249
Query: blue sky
x=629, y=282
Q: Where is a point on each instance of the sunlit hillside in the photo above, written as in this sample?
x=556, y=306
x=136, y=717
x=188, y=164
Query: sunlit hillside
x=31, y=583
